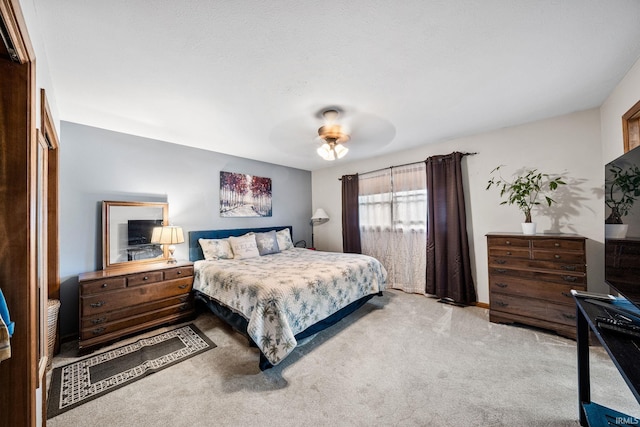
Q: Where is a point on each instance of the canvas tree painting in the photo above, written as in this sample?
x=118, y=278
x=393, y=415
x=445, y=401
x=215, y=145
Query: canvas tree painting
x=243, y=195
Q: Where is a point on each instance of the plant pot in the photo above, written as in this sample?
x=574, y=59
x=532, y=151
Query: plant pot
x=615, y=231
x=528, y=228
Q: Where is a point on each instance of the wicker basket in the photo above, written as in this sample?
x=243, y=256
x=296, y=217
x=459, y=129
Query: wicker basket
x=53, y=306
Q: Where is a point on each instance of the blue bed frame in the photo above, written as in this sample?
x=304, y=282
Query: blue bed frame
x=238, y=322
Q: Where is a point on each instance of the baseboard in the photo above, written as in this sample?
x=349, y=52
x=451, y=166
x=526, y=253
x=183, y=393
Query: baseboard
x=482, y=304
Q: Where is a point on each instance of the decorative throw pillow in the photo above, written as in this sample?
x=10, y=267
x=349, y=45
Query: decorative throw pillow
x=244, y=246
x=267, y=243
x=284, y=239
x=216, y=249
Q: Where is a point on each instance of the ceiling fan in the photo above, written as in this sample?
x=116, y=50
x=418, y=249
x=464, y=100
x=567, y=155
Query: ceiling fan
x=333, y=136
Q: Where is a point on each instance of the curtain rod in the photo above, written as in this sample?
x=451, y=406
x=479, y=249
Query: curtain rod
x=408, y=164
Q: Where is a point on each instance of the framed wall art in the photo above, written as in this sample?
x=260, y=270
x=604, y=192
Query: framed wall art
x=243, y=195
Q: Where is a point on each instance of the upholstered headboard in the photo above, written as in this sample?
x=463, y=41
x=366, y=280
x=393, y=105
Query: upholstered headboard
x=195, y=251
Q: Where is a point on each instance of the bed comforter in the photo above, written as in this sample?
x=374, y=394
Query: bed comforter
x=282, y=294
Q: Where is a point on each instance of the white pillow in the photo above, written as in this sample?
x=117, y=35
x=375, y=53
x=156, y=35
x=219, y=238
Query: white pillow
x=244, y=246
x=216, y=249
x=284, y=239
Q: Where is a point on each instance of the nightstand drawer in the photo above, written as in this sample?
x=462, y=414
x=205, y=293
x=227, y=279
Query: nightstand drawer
x=103, y=285
x=144, y=278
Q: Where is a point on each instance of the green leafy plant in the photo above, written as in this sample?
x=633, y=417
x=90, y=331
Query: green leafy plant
x=525, y=189
x=623, y=188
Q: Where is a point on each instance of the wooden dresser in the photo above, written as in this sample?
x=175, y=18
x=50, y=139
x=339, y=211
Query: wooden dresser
x=116, y=303
x=530, y=279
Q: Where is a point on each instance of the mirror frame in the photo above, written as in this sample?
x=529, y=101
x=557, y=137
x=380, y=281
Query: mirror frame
x=106, y=232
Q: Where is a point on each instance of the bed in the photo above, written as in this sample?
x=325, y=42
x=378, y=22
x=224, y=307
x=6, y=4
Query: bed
x=283, y=295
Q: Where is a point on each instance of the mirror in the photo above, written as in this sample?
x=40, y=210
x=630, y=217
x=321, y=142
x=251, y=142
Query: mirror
x=127, y=229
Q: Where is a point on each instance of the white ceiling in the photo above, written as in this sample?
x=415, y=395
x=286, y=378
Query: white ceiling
x=249, y=77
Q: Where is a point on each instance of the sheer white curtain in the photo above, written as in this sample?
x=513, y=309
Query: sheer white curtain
x=393, y=223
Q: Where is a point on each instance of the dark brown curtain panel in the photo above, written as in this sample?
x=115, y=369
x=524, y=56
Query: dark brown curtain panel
x=350, y=215
x=448, y=262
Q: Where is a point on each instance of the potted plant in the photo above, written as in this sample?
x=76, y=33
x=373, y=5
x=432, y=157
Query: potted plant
x=524, y=191
x=622, y=188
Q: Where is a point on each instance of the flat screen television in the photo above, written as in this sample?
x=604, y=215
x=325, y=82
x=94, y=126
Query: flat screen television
x=139, y=231
x=622, y=248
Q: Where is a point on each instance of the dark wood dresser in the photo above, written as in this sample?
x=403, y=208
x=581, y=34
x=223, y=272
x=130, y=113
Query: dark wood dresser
x=116, y=303
x=530, y=279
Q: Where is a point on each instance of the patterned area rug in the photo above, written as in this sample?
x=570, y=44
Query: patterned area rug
x=99, y=374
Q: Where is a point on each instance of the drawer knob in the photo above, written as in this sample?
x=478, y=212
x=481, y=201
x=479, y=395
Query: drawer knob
x=501, y=270
x=569, y=316
x=183, y=286
x=145, y=278
x=501, y=285
x=568, y=267
x=104, y=285
x=569, y=278
x=98, y=331
x=568, y=295
x=508, y=242
x=179, y=272
x=508, y=253
x=557, y=245
x=97, y=304
x=501, y=304
x=99, y=320
x=501, y=261
x=556, y=256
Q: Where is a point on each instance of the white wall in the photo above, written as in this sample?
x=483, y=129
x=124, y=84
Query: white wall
x=567, y=145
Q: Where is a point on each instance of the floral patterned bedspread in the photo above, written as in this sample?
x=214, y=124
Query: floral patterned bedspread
x=282, y=294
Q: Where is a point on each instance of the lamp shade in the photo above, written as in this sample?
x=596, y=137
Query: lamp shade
x=167, y=235
x=319, y=216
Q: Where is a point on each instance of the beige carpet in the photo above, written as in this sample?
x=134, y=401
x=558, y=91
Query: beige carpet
x=402, y=360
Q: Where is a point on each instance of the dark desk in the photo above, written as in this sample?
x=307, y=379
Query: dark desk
x=625, y=354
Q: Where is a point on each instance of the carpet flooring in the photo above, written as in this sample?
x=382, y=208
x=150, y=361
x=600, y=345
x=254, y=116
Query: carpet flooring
x=401, y=360
x=89, y=378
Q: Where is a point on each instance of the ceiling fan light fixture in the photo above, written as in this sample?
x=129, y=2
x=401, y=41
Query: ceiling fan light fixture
x=333, y=137
x=331, y=150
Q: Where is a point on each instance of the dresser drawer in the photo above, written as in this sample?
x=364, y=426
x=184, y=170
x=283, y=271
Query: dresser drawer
x=509, y=252
x=572, y=245
x=178, y=272
x=144, y=278
x=566, y=257
x=500, y=262
x=127, y=322
x=129, y=297
x=548, y=291
x=521, y=242
x=110, y=316
x=568, y=278
x=534, y=308
x=102, y=285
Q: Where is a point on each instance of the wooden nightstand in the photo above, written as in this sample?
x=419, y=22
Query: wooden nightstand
x=120, y=302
